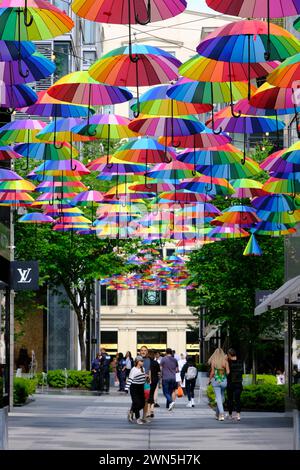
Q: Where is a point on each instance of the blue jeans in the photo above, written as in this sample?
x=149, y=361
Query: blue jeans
x=168, y=386
x=219, y=389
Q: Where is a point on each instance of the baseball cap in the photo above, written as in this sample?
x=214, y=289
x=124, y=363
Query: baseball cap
x=139, y=358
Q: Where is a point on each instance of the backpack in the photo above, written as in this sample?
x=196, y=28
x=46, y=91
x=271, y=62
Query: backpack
x=236, y=371
x=191, y=373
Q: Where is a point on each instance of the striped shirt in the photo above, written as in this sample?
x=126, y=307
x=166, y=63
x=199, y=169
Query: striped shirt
x=136, y=377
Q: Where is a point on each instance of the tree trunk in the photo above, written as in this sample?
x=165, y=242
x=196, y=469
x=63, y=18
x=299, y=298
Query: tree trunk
x=81, y=329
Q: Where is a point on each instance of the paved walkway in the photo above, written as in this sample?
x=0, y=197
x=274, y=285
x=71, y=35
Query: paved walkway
x=66, y=421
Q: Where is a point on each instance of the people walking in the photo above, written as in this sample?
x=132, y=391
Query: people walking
x=189, y=375
x=135, y=384
x=104, y=370
x=155, y=374
x=144, y=353
x=158, y=358
x=169, y=368
x=218, y=378
x=129, y=363
x=96, y=372
x=121, y=374
x=234, y=384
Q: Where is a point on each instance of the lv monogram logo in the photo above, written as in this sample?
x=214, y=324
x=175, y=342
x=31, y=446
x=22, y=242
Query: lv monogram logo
x=24, y=275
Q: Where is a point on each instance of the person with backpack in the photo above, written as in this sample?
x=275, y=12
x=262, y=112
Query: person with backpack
x=218, y=378
x=189, y=374
x=234, y=384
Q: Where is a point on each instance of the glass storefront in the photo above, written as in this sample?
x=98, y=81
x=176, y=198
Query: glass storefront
x=156, y=340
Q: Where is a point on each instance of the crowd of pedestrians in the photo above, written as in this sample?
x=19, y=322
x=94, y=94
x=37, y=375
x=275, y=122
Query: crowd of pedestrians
x=176, y=375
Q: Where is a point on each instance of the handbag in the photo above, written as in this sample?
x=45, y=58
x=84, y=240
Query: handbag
x=179, y=392
x=146, y=390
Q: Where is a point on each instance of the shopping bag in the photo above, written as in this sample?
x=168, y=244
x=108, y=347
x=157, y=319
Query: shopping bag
x=146, y=391
x=179, y=392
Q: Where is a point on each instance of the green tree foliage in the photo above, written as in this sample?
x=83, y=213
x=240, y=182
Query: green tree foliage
x=72, y=261
x=227, y=283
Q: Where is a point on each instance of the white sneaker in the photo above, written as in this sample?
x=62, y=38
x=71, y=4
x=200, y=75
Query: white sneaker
x=238, y=416
x=130, y=416
x=221, y=417
x=193, y=402
x=171, y=405
x=140, y=421
x=189, y=405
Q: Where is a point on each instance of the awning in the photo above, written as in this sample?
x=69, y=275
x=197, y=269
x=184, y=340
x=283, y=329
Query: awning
x=288, y=295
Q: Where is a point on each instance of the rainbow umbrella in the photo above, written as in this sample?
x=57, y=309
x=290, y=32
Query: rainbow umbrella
x=243, y=216
x=273, y=229
x=128, y=12
x=166, y=126
x=274, y=99
x=246, y=124
x=46, y=151
x=208, y=185
x=257, y=9
x=249, y=41
x=223, y=232
x=19, y=185
x=138, y=65
x=182, y=196
x=46, y=186
x=32, y=20
x=13, y=50
x=62, y=167
x=246, y=169
x=172, y=172
x=252, y=247
x=156, y=102
x=219, y=155
x=206, y=138
x=204, y=69
x=282, y=186
x=285, y=75
x=36, y=218
x=285, y=162
x=87, y=198
x=37, y=65
x=24, y=130
x=81, y=88
x=7, y=153
x=8, y=175
x=14, y=96
x=48, y=106
x=15, y=198
x=247, y=188
x=275, y=203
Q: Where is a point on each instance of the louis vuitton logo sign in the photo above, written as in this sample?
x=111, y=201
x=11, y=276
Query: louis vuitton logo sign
x=24, y=275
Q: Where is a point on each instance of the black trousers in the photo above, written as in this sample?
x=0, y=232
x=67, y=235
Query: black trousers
x=190, y=387
x=138, y=399
x=234, y=391
x=105, y=380
x=153, y=386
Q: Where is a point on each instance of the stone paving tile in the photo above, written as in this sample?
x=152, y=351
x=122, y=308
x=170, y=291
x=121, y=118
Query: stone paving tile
x=89, y=422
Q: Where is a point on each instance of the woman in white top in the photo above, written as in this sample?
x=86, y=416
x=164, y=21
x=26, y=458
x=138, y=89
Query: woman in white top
x=135, y=383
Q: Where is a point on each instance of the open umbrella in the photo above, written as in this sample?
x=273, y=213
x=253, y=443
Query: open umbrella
x=243, y=216
x=252, y=247
x=208, y=185
x=7, y=153
x=247, y=188
x=206, y=138
x=37, y=65
x=12, y=50
x=151, y=66
x=14, y=96
x=41, y=151
x=128, y=11
x=81, y=88
x=24, y=130
x=257, y=9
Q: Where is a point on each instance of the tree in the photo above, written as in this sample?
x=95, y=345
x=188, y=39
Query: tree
x=227, y=283
x=72, y=261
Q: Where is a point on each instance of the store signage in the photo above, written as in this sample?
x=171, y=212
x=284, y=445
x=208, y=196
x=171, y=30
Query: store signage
x=24, y=275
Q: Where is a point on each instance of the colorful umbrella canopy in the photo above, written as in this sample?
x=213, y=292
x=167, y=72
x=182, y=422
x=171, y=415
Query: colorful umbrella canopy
x=249, y=41
x=286, y=73
x=46, y=151
x=105, y=126
x=48, y=106
x=81, y=88
x=36, y=218
x=245, y=169
x=272, y=229
x=247, y=188
x=243, y=216
x=156, y=102
x=19, y=185
x=24, y=130
x=15, y=199
x=172, y=172
x=12, y=50
x=106, y=11
x=166, y=126
x=136, y=65
x=206, y=138
x=14, y=96
x=38, y=20
x=7, y=153
x=62, y=167
x=275, y=203
x=8, y=175
x=224, y=232
x=252, y=247
x=208, y=185
x=274, y=98
x=283, y=186
x=182, y=196
x=144, y=150
x=37, y=67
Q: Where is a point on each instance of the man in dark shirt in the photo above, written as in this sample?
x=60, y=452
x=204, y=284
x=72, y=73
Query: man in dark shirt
x=169, y=368
x=234, y=383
